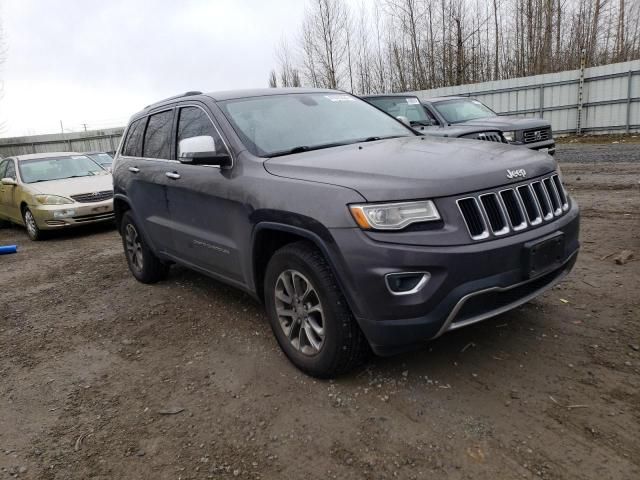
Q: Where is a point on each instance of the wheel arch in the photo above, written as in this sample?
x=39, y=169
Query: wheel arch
x=268, y=237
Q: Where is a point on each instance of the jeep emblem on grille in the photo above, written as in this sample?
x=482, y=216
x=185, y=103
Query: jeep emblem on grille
x=521, y=172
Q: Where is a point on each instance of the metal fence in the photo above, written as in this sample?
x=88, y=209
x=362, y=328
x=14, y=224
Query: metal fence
x=610, y=98
x=92, y=141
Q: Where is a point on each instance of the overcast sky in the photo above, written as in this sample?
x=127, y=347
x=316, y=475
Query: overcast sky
x=99, y=61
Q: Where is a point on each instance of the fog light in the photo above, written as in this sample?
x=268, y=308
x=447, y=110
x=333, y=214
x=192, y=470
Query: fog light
x=406, y=283
x=64, y=213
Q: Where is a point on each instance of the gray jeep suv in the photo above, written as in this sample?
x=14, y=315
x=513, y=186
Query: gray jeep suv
x=355, y=232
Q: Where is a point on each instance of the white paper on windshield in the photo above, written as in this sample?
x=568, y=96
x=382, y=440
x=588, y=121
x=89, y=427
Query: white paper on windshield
x=413, y=101
x=340, y=98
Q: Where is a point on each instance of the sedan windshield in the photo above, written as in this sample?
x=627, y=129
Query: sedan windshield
x=408, y=107
x=462, y=110
x=293, y=123
x=58, y=168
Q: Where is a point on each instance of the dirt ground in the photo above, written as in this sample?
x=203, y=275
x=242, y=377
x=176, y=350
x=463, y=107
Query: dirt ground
x=102, y=377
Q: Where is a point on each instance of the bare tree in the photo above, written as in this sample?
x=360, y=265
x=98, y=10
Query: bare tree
x=389, y=45
x=273, y=79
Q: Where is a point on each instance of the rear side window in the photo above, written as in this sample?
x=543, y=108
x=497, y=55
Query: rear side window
x=134, y=139
x=193, y=122
x=3, y=168
x=157, y=137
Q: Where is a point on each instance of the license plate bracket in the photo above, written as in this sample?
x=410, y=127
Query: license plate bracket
x=542, y=256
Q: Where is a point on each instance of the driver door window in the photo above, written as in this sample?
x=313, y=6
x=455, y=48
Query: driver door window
x=194, y=122
x=11, y=170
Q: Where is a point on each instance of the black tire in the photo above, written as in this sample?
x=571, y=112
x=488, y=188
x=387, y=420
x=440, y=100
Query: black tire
x=145, y=266
x=343, y=347
x=30, y=224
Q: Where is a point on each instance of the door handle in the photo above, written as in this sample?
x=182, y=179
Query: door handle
x=134, y=169
x=173, y=175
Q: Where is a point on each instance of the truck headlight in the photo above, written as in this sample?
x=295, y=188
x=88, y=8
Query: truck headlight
x=393, y=216
x=52, y=200
x=509, y=136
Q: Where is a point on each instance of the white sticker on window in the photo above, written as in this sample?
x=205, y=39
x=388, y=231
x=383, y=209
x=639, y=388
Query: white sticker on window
x=413, y=101
x=340, y=98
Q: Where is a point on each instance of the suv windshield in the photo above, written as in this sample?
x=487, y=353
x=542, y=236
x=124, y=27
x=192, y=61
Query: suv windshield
x=103, y=159
x=408, y=107
x=58, y=168
x=462, y=110
x=292, y=123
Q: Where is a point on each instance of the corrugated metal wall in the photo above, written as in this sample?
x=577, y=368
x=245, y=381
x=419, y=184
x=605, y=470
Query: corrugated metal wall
x=92, y=141
x=611, y=98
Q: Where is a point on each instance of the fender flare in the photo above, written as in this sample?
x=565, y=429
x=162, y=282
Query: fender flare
x=314, y=238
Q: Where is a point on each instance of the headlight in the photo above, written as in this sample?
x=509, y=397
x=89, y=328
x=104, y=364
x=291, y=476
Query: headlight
x=52, y=200
x=393, y=216
x=509, y=136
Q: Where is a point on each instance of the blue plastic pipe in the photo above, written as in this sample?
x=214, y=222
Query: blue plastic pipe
x=4, y=250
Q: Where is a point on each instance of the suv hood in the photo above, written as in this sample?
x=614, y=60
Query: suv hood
x=73, y=186
x=413, y=167
x=507, y=123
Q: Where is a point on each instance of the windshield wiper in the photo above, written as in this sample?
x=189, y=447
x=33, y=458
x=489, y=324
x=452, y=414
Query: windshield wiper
x=305, y=148
x=419, y=122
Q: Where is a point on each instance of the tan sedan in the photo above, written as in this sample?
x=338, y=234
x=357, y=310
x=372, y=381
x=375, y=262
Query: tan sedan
x=48, y=191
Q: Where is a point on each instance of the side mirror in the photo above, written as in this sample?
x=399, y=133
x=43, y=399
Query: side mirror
x=404, y=120
x=201, y=150
x=9, y=181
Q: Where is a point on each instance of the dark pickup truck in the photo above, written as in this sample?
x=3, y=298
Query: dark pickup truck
x=463, y=117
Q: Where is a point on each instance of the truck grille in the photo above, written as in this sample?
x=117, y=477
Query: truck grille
x=93, y=197
x=514, y=209
x=486, y=136
x=537, y=135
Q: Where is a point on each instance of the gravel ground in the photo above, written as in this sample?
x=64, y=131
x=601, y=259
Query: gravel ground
x=594, y=154
x=103, y=377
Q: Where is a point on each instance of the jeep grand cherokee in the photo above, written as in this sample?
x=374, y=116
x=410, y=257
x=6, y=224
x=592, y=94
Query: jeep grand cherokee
x=355, y=232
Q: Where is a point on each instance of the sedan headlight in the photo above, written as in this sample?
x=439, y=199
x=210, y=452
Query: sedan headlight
x=509, y=136
x=393, y=216
x=52, y=200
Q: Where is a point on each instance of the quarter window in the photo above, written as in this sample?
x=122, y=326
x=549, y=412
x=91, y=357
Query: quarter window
x=157, y=137
x=193, y=122
x=134, y=138
x=3, y=168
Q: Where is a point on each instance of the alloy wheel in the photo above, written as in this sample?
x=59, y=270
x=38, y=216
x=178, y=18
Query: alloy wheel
x=30, y=223
x=300, y=312
x=134, y=247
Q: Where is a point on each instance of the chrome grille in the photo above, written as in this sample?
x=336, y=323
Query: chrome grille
x=537, y=135
x=514, y=209
x=486, y=136
x=93, y=197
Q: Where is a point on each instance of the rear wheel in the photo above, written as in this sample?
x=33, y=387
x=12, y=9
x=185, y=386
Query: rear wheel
x=309, y=315
x=143, y=263
x=29, y=220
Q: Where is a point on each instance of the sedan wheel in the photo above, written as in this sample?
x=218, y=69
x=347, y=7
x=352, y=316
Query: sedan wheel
x=32, y=227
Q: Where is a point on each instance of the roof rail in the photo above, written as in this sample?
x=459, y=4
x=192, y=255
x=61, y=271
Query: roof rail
x=186, y=94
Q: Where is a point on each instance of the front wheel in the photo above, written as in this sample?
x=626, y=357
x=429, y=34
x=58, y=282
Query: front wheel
x=309, y=315
x=29, y=220
x=143, y=263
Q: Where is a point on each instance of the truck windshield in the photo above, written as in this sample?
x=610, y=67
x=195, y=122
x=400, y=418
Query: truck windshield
x=462, y=110
x=408, y=107
x=58, y=168
x=293, y=123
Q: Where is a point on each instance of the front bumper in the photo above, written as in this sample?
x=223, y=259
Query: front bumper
x=51, y=217
x=546, y=145
x=468, y=282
